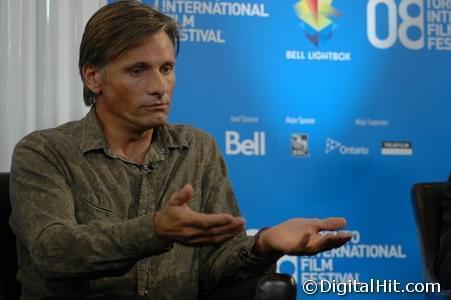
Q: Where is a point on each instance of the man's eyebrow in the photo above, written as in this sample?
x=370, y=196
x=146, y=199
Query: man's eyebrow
x=169, y=62
x=138, y=63
x=146, y=64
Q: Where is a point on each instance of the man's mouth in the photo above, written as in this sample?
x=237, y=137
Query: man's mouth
x=156, y=106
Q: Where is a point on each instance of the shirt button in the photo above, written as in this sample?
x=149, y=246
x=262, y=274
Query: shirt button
x=244, y=253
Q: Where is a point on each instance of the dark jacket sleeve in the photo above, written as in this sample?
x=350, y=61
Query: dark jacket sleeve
x=442, y=263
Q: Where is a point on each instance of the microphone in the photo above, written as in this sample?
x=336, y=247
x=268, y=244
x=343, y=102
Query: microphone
x=147, y=168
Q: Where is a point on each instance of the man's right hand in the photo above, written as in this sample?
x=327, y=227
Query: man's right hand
x=177, y=222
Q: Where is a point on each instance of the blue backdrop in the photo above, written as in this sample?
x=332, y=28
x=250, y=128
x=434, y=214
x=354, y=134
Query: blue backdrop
x=324, y=108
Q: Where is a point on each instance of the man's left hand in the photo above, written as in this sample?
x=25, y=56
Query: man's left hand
x=302, y=237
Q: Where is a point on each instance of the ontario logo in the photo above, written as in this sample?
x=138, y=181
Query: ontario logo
x=317, y=19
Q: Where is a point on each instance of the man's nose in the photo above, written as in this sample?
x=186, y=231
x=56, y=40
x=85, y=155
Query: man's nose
x=157, y=84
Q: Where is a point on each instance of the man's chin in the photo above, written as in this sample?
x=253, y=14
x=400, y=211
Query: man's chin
x=155, y=122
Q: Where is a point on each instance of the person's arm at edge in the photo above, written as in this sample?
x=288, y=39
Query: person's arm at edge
x=442, y=263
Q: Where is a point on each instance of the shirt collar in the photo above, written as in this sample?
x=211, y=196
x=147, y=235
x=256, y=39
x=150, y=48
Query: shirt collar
x=164, y=137
x=91, y=135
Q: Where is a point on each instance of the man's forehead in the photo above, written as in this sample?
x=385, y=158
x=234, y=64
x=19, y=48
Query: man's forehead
x=157, y=46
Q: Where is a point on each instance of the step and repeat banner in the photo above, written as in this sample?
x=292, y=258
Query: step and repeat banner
x=324, y=108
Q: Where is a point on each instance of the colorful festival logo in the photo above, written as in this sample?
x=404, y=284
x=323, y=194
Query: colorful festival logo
x=317, y=17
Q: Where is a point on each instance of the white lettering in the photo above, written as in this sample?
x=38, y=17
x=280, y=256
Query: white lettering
x=332, y=56
x=299, y=121
x=366, y=251
x=255, y=146
x=316, y=265
x=244, y=119
x=214, y=8
x=439, y=43
x=201, y=35
x=294, y=55
x=371, y=122
x=329, y=276
x=354, y=150
x=439, y=4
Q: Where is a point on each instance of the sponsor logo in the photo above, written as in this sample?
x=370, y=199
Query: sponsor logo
x=395, y=148
x=332, y=145
x=255, y=146
x=299, y=144
x=317, y=19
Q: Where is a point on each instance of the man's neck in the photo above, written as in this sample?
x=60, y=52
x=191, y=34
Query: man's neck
x=125, y=142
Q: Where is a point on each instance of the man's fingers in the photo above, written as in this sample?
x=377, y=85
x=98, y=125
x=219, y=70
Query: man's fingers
x=213, y=233
x=331, y=223
x=346, y=235
x=236, y=225
x=330, y=240
x=182, y=196
x=207, y=221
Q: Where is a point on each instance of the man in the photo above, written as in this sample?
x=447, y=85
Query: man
x=120, y=202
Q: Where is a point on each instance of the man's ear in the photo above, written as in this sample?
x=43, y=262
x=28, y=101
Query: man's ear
x=92, y=77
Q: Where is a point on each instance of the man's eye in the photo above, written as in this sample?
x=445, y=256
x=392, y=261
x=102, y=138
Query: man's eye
x=136, y=71
x=167, y=69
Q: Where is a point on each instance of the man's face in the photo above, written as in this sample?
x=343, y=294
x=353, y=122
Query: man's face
x=136, y=88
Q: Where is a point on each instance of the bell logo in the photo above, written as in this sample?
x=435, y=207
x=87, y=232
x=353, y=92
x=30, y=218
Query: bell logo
x=255, y=146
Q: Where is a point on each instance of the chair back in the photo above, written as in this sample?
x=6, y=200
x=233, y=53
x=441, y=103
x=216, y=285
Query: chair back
x=9, y=287
x=426, y=200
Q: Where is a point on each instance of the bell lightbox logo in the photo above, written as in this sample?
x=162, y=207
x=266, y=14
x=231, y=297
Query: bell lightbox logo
x=317, y=17
x=255, y=146
x=416, y=24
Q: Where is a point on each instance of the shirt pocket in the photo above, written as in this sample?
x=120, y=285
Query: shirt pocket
x=89, y=208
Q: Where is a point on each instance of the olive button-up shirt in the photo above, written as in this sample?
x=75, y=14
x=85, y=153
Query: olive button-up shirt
x=83, y=216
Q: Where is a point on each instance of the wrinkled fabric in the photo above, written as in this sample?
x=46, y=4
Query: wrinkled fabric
x=83, y=217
